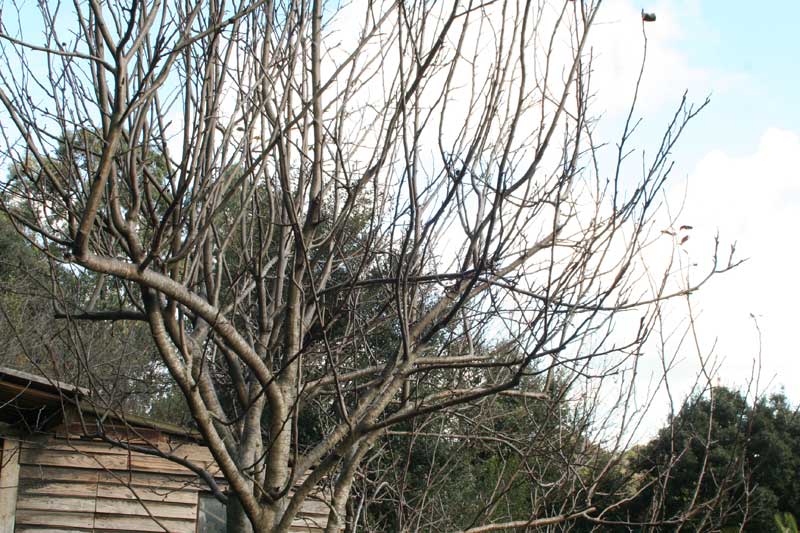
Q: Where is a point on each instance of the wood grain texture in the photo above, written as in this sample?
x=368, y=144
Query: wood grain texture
x=83, y=485
x=9, y=482
x=79, y=485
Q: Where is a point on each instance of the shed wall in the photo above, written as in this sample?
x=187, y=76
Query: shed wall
x=78, y=486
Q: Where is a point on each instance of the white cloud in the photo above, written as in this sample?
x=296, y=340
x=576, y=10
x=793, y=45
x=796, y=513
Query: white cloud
x=618, y=41
x=753, y=199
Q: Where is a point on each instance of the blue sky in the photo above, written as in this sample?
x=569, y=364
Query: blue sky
x=749, y=57
x=757, y=41
x=739, y=161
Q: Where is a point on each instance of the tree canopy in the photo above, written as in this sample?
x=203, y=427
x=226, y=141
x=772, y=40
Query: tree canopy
x=344, y=227
x=727, y=441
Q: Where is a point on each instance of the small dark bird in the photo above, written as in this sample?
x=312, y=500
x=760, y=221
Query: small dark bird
x=648, y=17
x=686, y=228
x=686, y=238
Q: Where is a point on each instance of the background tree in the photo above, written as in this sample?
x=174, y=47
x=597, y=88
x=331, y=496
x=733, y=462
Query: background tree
x=331, y=232
x=721, y=436
x=115, y=357
x=501, y=460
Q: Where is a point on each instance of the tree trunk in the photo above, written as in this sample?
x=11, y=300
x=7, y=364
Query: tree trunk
x=235, y=517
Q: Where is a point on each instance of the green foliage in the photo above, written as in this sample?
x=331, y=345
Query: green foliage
x=746, y=458
x=786, y=523
x=502, y=459
x=24, y=306
x=118, y=355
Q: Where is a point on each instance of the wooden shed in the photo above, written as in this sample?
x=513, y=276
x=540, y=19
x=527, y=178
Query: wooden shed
x=56, y=475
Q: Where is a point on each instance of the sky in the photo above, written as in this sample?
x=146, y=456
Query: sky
x=737, y=167
x=737, y=172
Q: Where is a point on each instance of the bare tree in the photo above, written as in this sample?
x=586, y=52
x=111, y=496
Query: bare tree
x=360, y=215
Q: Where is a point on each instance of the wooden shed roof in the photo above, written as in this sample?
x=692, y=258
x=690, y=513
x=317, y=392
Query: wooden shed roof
x=35, y=401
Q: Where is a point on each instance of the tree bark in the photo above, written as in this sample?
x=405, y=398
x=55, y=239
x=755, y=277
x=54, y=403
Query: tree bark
x=235, y=517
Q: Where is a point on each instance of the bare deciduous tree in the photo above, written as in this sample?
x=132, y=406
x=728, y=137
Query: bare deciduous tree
x=361, y=215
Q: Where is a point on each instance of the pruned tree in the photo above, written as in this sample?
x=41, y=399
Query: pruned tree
x=336, y=220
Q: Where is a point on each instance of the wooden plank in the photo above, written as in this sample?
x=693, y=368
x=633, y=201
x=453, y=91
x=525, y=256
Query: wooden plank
x=141, y=435
x=136, y=508
x=135, y=523
x=123, y=492
x=75, y=445
x=59, y=476
x=9, y=482
x=48, y=473
x=315, y=507
x=45, y=529
x=88, y=454
x=146, y=463
x=38, y=518
x=36, y=487
x=190, y=451
x=72, y=459
x=25, y=394
x=152, y=480
x=41, y=382
x=106, y=456
x=56, y=503
x=310, y=521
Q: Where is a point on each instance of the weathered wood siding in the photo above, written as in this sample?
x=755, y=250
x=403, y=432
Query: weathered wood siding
x=73, y=485
x=9, y=482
